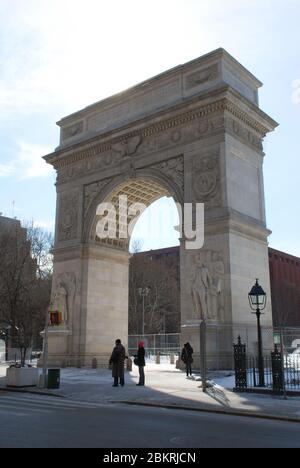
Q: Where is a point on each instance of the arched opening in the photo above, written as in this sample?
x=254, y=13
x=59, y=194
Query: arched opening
x=156, y=227
x=154, y=282
x=116, y=306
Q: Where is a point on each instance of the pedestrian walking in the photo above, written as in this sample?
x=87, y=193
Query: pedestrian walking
x=187, y=358
x=117, y=360
x=140, y=362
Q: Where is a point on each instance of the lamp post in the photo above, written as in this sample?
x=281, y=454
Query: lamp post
x=143, y=292
x=5, y=333
x=202, y=351
x=7, y=341
x=257, y=300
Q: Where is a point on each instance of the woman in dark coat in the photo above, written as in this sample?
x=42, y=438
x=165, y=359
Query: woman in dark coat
x=141, y=363
x=117, y=360
x=187, y=358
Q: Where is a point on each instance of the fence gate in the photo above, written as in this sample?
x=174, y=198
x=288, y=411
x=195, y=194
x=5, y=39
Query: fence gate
x=240, y=364
x=277, y=370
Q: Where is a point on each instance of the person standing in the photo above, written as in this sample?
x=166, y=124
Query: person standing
x=187, y=358
x=141, y=363
x=117, y=360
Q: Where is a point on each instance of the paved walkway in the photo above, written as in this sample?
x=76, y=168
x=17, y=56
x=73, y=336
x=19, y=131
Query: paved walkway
x=167, y=386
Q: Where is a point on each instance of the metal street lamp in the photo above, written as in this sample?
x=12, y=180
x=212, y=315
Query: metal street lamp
x=202, y=350
x=143, y=292
x=257, y=300
x=7, y=329
x=5, y=333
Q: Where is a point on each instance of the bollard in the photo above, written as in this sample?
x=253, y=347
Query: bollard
x=172, y=359
x=129, y=365
x=94, y=363
x=177, y=364
x=157, y=359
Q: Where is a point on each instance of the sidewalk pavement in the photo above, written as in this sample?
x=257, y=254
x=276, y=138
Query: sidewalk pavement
x=169, y=388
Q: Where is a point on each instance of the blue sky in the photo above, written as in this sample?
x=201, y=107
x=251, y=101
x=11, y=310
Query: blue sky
x=58, y=56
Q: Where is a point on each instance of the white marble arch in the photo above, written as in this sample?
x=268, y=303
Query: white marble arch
x=194, y=133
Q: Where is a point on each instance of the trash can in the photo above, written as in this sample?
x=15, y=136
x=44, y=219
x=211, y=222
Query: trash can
x=53, y=380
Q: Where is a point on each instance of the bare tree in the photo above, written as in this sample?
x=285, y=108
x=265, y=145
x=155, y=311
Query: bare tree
x=41, y=242
x=136, y=246
x=161, y=304
x=25, y=282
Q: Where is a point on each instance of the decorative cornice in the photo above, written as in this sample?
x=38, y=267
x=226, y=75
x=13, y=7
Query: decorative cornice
x=90, y=150
x=246, y=119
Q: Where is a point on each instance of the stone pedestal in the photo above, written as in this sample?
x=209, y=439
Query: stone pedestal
x=58, y=340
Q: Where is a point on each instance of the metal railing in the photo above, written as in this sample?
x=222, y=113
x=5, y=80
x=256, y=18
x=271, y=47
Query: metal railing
x=163, y=344
x=281, y=371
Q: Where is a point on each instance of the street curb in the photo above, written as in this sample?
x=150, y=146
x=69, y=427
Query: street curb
x=247, y=414
x=31, y=392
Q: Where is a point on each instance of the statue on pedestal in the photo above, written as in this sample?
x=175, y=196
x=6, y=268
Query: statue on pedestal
x=60, y=302
x=64, y=295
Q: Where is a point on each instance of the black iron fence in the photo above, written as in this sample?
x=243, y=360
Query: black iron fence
x=281, y=371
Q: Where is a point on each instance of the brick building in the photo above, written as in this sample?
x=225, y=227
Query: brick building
x=285, y=288
x=285, y=283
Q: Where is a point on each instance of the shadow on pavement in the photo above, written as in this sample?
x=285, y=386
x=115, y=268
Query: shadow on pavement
x=165, y=386
x=218, y=395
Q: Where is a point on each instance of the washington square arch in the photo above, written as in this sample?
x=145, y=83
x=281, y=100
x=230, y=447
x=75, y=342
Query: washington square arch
x=193, y=133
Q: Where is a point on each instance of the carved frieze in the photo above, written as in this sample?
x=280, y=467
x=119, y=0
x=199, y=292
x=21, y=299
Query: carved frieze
x=206, y=179
x=68, y=216
x=193, y=124
x=240, y=131
x=189, y=131
x=88, y=166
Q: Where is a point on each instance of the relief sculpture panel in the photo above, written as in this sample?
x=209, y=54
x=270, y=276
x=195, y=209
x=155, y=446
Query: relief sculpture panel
x=206, y=179
x=68, y=216
x=207, y=286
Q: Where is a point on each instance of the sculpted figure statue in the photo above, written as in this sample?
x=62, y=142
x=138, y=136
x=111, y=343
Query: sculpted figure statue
x=60, y=302
x=201, y=286
x=206, y=288
x=64, y=295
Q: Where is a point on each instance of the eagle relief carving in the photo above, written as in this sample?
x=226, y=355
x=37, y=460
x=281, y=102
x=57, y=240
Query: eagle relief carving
x=128, y=146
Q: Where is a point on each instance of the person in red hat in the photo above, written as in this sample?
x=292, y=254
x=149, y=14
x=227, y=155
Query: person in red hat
x=141, y=363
